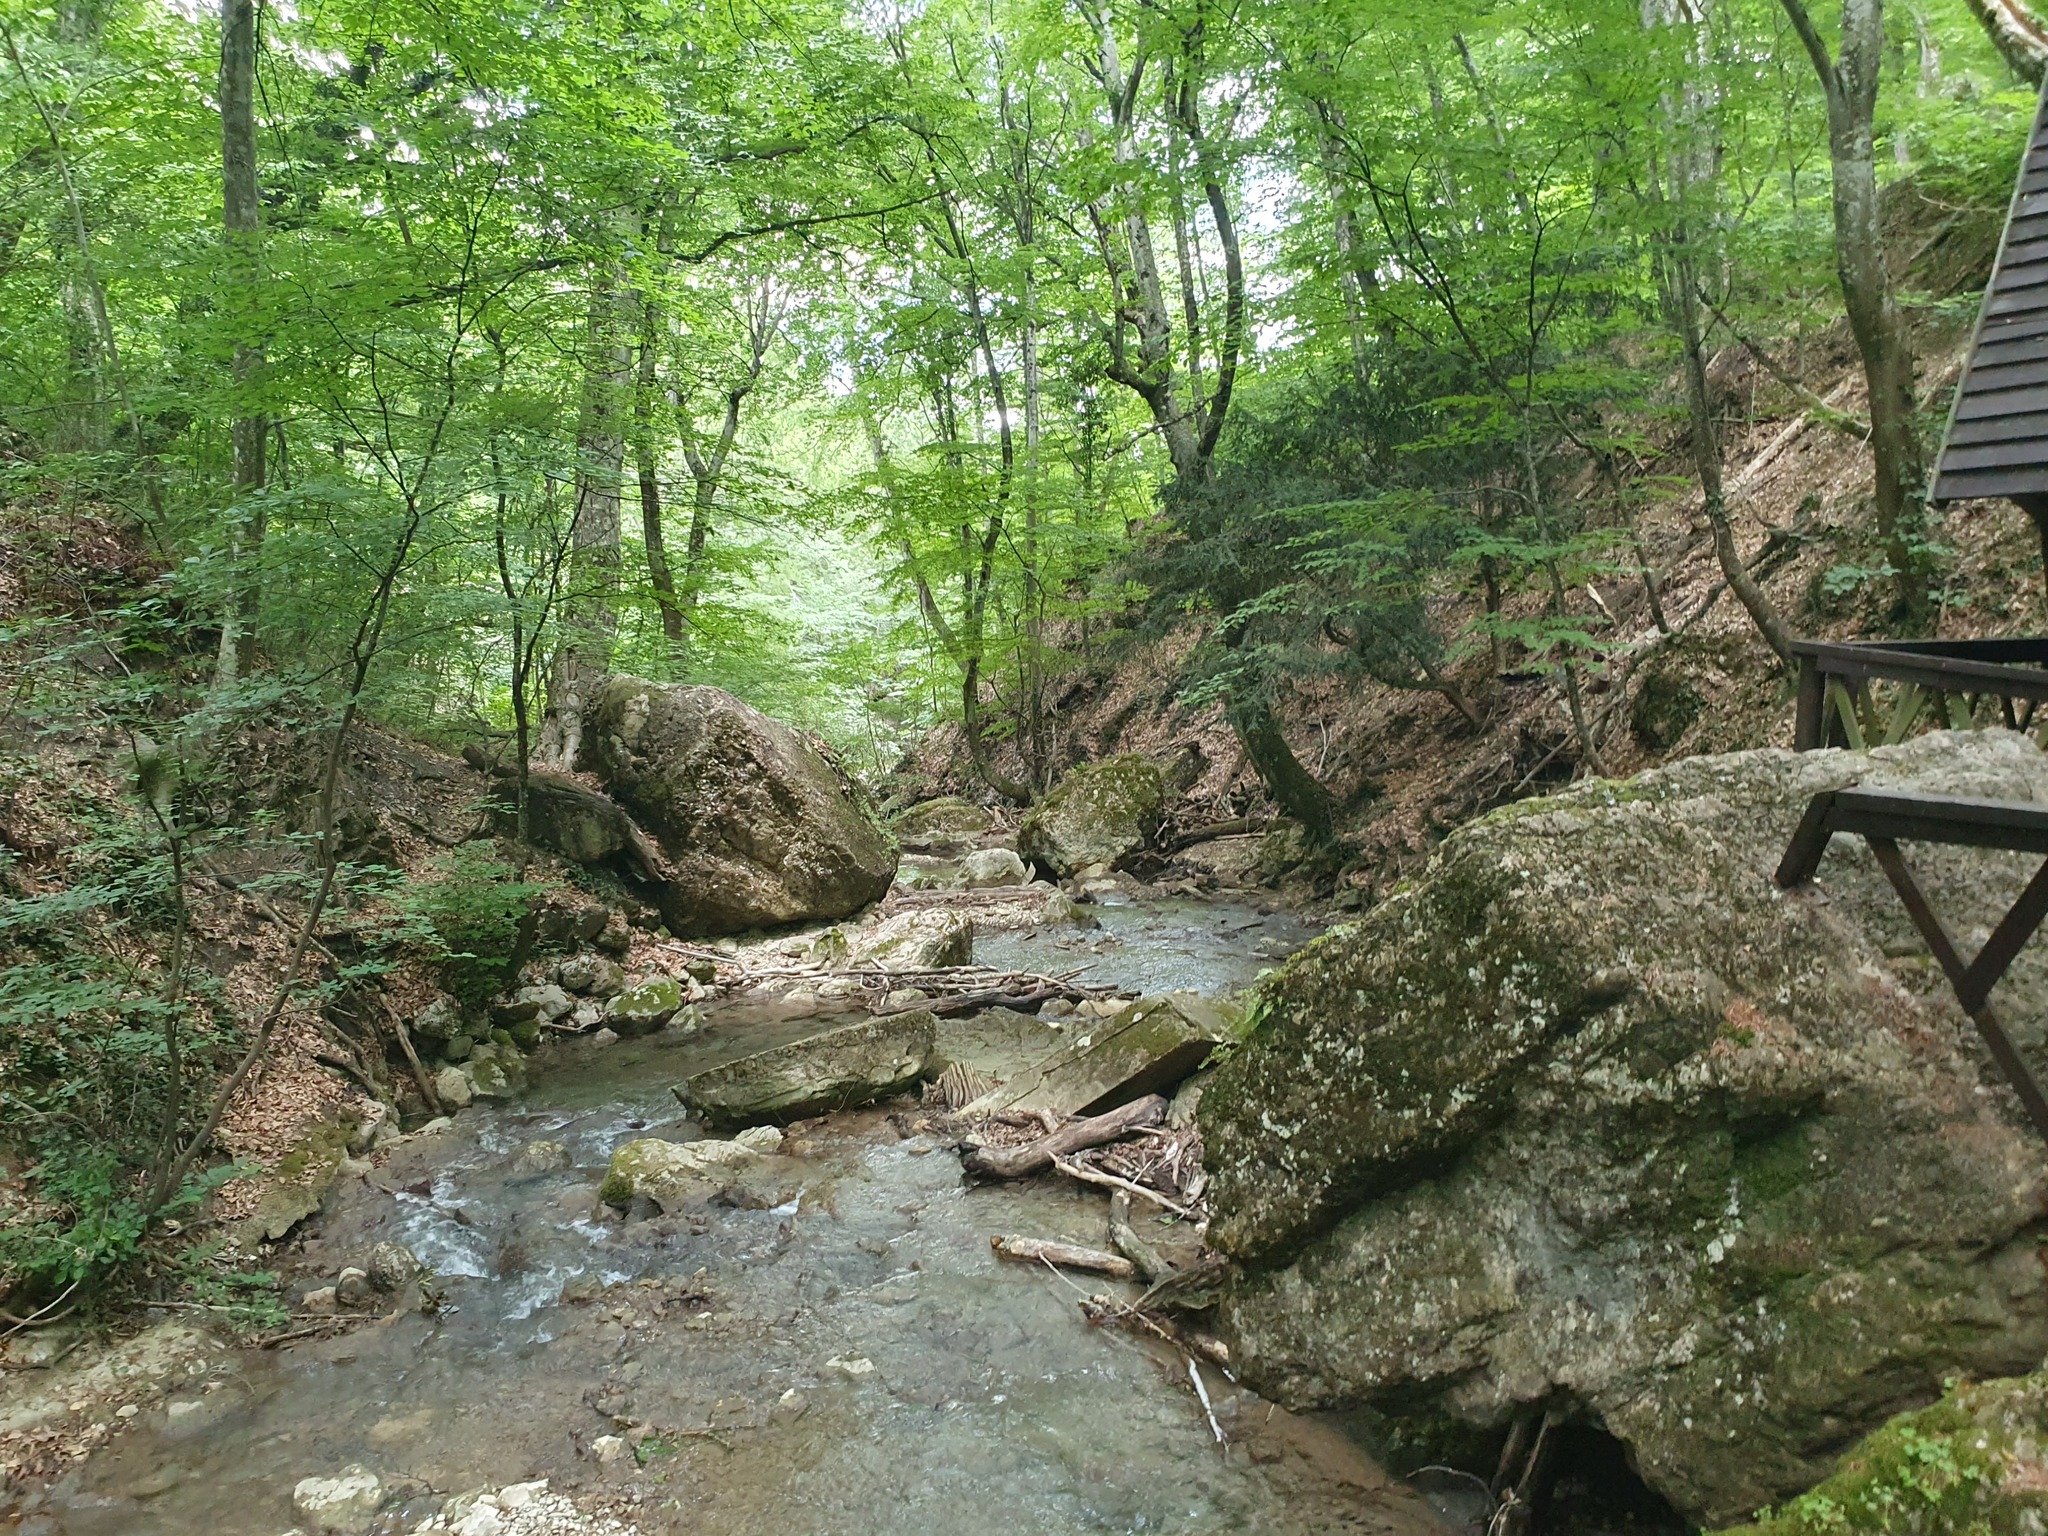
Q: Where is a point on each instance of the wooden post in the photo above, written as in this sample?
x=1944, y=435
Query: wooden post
x=1809, y=729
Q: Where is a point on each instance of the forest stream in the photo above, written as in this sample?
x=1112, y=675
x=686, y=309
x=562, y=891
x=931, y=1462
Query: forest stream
x=850, y=1359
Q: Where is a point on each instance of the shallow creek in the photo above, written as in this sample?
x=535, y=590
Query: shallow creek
x=833, y=1351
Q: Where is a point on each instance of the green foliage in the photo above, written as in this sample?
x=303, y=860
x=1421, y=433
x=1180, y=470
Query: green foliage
x=1945, y=1470
x=473, y=918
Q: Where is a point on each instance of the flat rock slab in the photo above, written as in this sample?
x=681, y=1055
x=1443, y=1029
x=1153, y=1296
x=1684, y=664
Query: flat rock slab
x=1148, y=1048
x=840, y=1069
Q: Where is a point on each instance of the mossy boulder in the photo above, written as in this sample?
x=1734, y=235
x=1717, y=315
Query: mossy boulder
x=945, y=824
x=298, y=1186
x=755, y=823
x=1592, y=1113
x=1973, y=1464
x=1098, y=813
x=643, y=1009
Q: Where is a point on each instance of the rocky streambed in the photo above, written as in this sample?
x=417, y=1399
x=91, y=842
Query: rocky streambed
x=825, y=1345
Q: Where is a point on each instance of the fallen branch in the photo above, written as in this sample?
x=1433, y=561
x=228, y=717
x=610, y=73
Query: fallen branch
x=1034, y=1156
x=1124, y=1238
x=1088, y=1175
x=1237, y=826
x=1033, y=1250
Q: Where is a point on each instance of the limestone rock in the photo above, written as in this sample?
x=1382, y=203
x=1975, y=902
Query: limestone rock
x=391, y=1267
x=544, y=1004
x=437, y=1023
x=757, y=824
x=495, y=1071
x=989, y=868
x=344, y=1505
x=840, y=1069
x=451, y=1086
x=942, y=825
x=1111, y=1058
x=1592, y=1111
x=671, y=1172
x=539, y=1157
x=643, y=1009
x=591, y=976
x=1096, y=814
x=298, y=1185
x=920, y=939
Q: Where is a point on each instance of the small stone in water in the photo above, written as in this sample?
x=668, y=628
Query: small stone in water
x=605, y=1037
x=857, y=1365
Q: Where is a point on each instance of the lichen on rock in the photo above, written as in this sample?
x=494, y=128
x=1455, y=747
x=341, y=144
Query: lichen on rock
x=1593, y=1112
x=1096, y=814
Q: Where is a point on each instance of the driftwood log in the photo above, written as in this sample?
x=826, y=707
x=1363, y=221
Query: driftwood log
x=1032, y=1250
x=1034, y=1156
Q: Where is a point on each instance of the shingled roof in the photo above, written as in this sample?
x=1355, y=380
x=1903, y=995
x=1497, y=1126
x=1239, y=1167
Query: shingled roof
x=1997, y=443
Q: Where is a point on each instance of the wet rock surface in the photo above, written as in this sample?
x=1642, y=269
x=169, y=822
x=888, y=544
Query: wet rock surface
x=842, y=1068
x=1593, y=1113
x=757, y=825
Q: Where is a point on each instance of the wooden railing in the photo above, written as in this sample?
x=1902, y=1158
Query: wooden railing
x=1958, y=684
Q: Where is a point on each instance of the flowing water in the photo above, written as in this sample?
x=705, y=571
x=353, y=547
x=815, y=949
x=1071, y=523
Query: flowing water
x=827, y=1349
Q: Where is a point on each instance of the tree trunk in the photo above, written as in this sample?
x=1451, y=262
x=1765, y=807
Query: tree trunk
x=2018, y=34
x=1706, y=457
x=242, y=240
x=1294, y=789
x=647, y=466
x=1151, y=375
x=1875, y=319
x=589, y=623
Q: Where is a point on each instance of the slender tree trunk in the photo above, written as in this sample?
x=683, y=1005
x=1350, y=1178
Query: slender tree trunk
x=1875, y=319
x=647, y=466
x=1683, y=298
x=242, y=238
x=1151, y=374
x=589, y=622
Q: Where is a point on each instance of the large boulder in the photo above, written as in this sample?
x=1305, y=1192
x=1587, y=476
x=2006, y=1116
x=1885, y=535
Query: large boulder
x=1593, y=1115
x=756, y=825
x=840, y=1069
x=1096, y=814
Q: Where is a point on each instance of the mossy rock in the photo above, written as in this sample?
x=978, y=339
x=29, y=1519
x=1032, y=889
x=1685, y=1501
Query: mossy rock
x=643, y=1009
x=1973, y=1464
x=1098, y=813
x=1664, y=708
x=1592, y=1107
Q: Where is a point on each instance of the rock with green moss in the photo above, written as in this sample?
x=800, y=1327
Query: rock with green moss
x=920, y=939
x=672, y=1172
x=1593, y=1113
x=496, y=1070
x=298, y=1185
x=1973, y=1464
x=1097, y=814
x=643, y=1009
